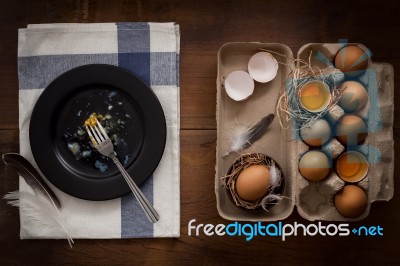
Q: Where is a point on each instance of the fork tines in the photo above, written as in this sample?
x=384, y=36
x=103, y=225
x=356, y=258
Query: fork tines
x=97, y=134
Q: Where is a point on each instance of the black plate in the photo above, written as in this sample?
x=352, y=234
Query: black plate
x=57, y=107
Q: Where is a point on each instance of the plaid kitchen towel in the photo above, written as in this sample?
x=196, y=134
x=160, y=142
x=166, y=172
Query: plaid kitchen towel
x=149, y=50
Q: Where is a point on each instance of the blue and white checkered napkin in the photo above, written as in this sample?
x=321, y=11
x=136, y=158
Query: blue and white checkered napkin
x=149, y=50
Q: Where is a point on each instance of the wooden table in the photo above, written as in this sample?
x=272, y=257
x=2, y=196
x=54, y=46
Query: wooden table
x=205, y=26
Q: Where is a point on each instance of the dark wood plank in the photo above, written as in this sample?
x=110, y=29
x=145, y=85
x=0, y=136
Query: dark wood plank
x=205, y=26
x=9, y=217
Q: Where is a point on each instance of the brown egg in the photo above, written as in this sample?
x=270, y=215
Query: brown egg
x=314, y=165
x=253, y=182
x=353, y=97
x=351, y=130
x=351, y=58
x=351, y=201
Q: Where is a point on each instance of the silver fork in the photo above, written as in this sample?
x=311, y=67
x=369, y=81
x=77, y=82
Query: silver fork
x=103, y=144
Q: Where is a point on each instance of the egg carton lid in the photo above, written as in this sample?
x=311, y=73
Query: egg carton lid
x=230, y=114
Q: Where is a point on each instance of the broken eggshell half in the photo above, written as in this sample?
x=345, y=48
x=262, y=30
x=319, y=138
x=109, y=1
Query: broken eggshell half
x=239, y=85
x=263, y=67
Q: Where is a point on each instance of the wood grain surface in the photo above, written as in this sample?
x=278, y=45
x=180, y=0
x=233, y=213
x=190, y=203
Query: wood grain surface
x=205, y=26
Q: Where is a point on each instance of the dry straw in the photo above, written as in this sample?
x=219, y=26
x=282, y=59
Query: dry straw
x=288, y=108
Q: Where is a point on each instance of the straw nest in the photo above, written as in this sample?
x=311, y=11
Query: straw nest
x=273, y=194
x=288, y=108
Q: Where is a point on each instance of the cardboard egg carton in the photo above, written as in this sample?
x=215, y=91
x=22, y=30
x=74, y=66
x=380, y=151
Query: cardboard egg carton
x=314, y=200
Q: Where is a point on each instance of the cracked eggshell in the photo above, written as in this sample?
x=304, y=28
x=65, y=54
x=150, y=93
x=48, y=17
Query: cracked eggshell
x=315, y=96
x=263, y=67
x=239, y=85
x=352, y=166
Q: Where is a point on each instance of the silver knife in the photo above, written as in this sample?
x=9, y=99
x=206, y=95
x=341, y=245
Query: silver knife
x=26, y=170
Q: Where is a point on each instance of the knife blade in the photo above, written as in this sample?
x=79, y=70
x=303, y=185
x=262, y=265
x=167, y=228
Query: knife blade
x=32, y=177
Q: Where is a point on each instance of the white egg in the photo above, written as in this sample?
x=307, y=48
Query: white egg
x=263, y=67
x=316, y=134
x=239, y=85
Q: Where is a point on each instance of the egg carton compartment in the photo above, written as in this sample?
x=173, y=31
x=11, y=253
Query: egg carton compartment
x=314, y=200
x=334, y=114
x=333, y=148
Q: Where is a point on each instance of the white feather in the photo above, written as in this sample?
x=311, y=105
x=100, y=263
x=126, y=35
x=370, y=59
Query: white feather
x=276, y=180
x=275, y=175
x=240, y=137
x=38, y=209
x=267, y=200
